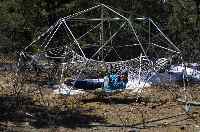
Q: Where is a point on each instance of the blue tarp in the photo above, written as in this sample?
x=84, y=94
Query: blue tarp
x=88, y=84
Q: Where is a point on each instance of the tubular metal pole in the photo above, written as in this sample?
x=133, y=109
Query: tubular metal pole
x=75, y=40
x=149, y=32
x=94, y=19
x=102, y=30
x=140, y=69
x=131, y=27
x=81, y=12
x=108, y=41
x=138, y=39
x=98, y=25
x=164, y=48
x=51, y=32
x=164, y=35
x=49, y=29
x=53, y=35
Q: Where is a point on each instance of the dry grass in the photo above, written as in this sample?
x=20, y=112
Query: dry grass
x=7, y=59
x=27, y=105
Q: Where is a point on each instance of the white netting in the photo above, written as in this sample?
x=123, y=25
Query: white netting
x=85, y=44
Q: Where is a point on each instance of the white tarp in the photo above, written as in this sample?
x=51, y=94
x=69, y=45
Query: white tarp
x=137, y=85
x=67, y=90
x=189, y=72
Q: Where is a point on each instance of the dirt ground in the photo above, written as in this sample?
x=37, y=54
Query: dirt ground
x=27, y=105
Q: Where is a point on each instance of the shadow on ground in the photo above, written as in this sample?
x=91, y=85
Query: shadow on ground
x=22, y=109
x=124, y=100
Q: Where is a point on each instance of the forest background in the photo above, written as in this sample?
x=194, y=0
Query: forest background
x=21, y=21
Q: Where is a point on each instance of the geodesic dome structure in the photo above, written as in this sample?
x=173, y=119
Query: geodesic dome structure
x=85, y=43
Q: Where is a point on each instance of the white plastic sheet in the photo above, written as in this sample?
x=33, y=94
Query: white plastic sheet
x=67, y=90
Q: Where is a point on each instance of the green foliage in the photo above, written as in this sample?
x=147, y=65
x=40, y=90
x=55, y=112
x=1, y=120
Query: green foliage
x=21, y=21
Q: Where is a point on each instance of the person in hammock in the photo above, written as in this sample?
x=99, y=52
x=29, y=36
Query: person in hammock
x=115, y=82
